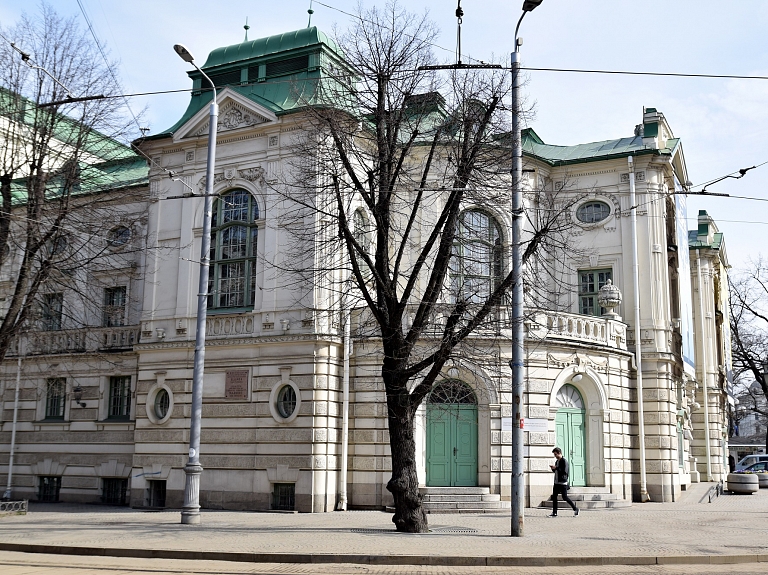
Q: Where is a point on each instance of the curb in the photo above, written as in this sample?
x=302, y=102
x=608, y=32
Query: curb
x=431, y=560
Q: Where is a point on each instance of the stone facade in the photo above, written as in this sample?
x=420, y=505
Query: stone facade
x=286, y=348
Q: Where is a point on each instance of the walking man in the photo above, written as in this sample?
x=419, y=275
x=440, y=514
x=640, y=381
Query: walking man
x=560, y=469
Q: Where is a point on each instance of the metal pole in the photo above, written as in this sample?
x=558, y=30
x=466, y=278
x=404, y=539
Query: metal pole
x=190, y=513
x=518, y=374
x=705, y=367
x=345, y=415
x=8, y=489
x=638, y=352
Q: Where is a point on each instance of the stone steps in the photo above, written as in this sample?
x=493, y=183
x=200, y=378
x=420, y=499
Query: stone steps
x=590, y=498
x=461, y=500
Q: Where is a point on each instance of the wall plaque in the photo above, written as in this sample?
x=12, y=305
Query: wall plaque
x=236, y=384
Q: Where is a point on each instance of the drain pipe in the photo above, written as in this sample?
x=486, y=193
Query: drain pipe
x=8, y=489
x=704, y=369
x=342, y=506
x=638, y=353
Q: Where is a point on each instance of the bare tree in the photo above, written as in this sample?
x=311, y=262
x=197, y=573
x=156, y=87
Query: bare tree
x=55, y=163
x=749, y=327
x=394, y=170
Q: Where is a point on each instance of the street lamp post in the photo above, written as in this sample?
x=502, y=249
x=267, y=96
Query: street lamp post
x=518, y=372
x=190, y=513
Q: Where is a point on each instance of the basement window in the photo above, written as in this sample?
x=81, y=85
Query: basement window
x=156, y=493
x=284, y=497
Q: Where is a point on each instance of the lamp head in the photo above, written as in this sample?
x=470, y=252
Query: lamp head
x=182, y=51
x=78, y=393
x=530, y=5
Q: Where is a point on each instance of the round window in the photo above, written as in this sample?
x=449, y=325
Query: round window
x=286, y=401
x=119, y=236
x=593, y=212
x=162, y=402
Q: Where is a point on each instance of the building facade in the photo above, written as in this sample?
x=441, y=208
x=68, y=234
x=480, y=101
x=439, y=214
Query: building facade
x=273, y=399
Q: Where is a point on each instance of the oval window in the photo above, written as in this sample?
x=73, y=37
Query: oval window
x=119, y=236
x=593, y=212
x=162, y=402
x=286, y=401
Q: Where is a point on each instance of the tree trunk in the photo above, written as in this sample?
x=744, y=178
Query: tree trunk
x=409, y=515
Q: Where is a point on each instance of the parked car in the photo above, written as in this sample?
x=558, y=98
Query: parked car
x=759, y=466
x=748, y=460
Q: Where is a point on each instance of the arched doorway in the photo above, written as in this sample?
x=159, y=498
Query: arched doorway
x=452, y=435
x=569, y=427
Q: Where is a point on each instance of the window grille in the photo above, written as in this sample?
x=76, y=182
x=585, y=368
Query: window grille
x=54, y=399
x=113, y=491
x=48, y=489
x=119, y=397
x=284, y=496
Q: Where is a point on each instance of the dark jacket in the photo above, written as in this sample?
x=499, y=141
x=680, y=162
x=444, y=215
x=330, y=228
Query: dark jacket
x=561, y=471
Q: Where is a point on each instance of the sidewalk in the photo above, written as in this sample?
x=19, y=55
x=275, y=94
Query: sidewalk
x=731, y=529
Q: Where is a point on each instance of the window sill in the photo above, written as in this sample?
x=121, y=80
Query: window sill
x=51, y=424
x=116, y=424
x=229, y=310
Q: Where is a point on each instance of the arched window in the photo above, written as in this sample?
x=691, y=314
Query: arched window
x=477, y=250
x=452, y=391
x=234, y=236
x=361, y=229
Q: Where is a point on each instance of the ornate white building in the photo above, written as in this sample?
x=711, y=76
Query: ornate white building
x=275, y=363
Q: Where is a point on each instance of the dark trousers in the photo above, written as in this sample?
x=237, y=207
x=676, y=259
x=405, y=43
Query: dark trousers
x=561, y=489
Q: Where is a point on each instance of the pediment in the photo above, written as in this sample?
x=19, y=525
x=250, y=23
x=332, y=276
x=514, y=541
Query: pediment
x=235, y=112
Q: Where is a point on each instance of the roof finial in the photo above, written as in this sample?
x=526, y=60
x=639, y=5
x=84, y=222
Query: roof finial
x=310, y=12
x=246, y=27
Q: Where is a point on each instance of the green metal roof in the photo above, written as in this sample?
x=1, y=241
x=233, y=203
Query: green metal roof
x=283, y=94
x=694, y=243
x=535, y=147
x=269, y=46
x=94, y=178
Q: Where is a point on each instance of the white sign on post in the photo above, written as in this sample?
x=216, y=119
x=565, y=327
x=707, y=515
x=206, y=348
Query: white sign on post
x=506, y=424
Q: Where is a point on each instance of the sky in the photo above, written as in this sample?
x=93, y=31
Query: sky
x=723, y=123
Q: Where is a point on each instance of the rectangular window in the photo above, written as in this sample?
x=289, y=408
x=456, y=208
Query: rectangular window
x=113, y=490
x=284, y=496
x=54, y=399
x=119, y=397
x=114, y=306
x=51, y=309
x=48, y=489
x=590, y=282
x=156, y=493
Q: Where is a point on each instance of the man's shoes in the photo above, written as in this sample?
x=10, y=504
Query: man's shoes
x=576, y=512
x=552, y=515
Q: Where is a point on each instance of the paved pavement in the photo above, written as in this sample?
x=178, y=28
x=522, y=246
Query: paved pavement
x=26, y=564
x=727, y=535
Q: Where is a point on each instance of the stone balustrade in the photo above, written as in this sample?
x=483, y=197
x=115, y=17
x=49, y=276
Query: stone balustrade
x=540, y=325
x=87, y=339
x=574, y=327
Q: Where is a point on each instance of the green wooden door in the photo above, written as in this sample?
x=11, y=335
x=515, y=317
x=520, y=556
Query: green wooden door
x=451, y=445
x=569, y=427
